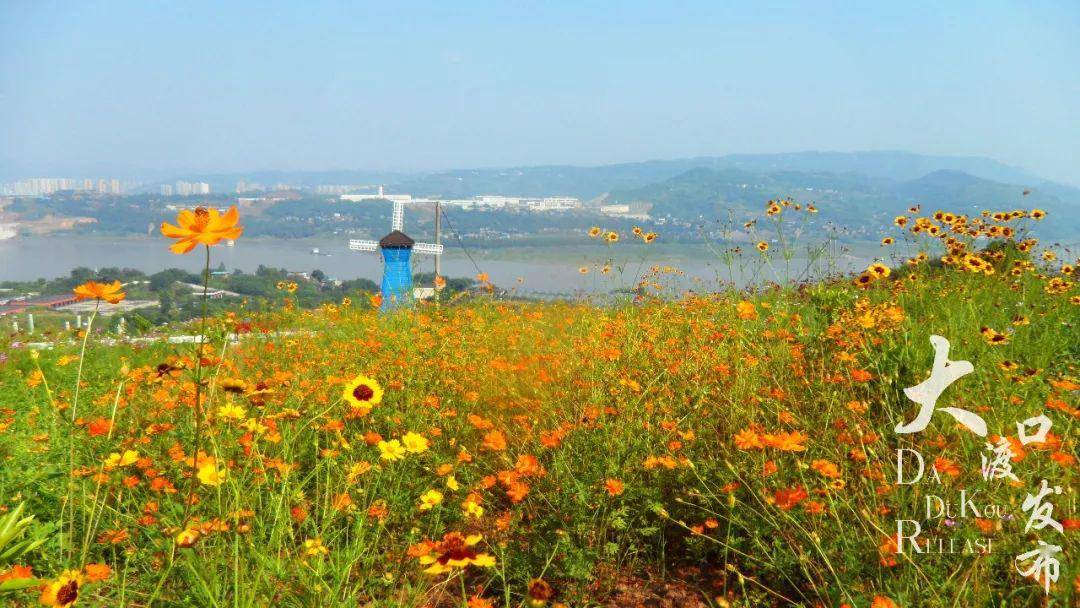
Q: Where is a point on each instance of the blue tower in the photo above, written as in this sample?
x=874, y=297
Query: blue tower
x=397, y=288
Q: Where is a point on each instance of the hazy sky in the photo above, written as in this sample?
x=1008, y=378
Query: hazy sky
x=224, y=86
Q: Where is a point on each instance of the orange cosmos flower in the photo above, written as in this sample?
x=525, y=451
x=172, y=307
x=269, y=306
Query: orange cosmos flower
x=96, y=573
x=747, y=439
x=746, y=310
x=614, y=487
x=861, y=375
x=20, y=572
x=495, y=441
x=826, y=468
x=202, y=226
x=789, y=497
x=92, y=290
x=785, y=441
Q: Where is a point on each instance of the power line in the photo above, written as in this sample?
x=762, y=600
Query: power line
x=461, y=243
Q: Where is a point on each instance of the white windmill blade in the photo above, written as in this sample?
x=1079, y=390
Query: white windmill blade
x=399, y=216
x=362, y=245
x=429, y=248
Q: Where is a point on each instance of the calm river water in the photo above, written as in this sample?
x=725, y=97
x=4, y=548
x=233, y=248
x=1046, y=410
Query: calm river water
x=25, y=258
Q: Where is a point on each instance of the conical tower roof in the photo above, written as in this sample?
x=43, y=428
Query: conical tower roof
x=396, y=240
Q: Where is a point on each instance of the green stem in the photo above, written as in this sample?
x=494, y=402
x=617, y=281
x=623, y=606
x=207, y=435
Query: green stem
x=198, y=393
x=68, y=502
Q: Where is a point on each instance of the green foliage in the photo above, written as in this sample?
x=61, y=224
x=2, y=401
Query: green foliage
x=16, y=547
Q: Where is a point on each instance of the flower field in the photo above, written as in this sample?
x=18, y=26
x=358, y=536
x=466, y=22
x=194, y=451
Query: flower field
x=723, y=449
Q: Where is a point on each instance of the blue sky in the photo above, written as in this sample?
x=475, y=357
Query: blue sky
x=215, y=86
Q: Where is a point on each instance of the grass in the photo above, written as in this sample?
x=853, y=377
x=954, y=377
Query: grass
x=738, y=445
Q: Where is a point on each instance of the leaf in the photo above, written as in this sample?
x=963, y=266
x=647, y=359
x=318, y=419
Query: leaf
x=18, y=583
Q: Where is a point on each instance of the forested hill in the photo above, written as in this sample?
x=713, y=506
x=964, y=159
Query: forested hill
x=850, y=198
x=591, y=181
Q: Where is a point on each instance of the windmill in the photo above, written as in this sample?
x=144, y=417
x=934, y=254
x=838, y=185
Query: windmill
x=397, y=249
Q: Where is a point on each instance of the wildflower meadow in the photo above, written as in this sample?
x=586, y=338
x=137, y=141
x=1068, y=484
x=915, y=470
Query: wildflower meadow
x=736, y=446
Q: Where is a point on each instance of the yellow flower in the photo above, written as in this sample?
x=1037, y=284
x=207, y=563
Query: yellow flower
x=762, y=246
x=314, y=547
x=455, y=551
x=471, y=506
x=878, y=270
x=358, y=469
x=746, y=310
x=994, y=338
x=210, y=474
x=391, y=450
x=594, y=231
x=234, y=385
x=362, y=393
x=414, y=442
x=430, y=499
x=64, y=591
x=452, y=483
x=187, y=538
x=231, y=411
x=116, y=460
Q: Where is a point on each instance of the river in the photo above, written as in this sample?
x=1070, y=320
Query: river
x=553, y=270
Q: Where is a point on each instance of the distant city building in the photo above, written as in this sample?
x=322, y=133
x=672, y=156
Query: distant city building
x=615, y=209
x=484, y=201
x=44, y=186
x=554, y=203
x=636, y=211
x=166, y=190
x=497, y=202
x=338, y=189
x=243, y=186
x=192, y=188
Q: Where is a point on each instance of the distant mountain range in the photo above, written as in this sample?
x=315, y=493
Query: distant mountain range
x=589, y=182
x=592, y=181
x=857, y=189
x=853, y=199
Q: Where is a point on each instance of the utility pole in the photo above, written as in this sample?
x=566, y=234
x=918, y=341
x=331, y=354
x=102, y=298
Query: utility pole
x=438, y=238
